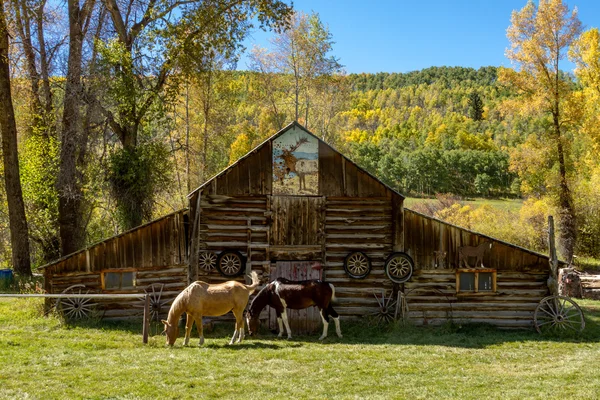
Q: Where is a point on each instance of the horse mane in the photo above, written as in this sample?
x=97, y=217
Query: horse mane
x=178, y=306
x=259, y=301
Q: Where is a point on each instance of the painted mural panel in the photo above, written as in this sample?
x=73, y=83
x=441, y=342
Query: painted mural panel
x=296, y=163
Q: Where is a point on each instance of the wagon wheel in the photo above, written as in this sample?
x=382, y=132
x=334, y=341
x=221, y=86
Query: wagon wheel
x=557, y=314
x=230, y=263
x=155, y=290
x=399, y=267
x=76, y=308
x=207, y=260
x=357, y=265
x=388, y=308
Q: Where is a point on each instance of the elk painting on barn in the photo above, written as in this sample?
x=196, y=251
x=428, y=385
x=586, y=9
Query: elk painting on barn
x=295, y=164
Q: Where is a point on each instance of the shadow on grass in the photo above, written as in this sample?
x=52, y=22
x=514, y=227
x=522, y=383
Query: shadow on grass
x=451, y=334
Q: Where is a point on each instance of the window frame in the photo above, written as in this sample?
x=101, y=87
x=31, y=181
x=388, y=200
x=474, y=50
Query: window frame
x=121, y=272
x=476, y=291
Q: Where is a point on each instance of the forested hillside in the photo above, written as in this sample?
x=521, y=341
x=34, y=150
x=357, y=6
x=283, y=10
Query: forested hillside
x=154, y=121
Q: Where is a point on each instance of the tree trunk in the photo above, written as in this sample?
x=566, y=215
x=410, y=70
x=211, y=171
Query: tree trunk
x=568, y=227
x=69, y=186
x=19, y=234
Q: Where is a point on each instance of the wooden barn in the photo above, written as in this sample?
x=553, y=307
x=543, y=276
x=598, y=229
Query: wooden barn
x=294, y=207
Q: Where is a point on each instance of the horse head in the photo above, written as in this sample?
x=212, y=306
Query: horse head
x=172, y=332
x=253, y=323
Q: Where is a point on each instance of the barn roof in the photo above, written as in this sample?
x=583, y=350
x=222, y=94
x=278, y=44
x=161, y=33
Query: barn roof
x=292, y=125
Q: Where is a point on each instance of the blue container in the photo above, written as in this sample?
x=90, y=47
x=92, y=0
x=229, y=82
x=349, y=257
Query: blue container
x=6, y=275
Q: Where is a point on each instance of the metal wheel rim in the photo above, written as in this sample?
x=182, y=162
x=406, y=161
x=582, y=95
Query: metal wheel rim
x=357, y=264
x=558, y=314
x=230, y=264
x=78, y=308
x=207, y=260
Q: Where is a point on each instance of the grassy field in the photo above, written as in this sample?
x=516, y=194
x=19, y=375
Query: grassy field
x=502, y=204
x=43, y=358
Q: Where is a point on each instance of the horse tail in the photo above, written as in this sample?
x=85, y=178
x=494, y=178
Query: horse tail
x=333, y=298
x=255, y=282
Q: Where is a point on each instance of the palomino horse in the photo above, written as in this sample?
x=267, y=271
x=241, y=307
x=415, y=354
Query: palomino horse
x=282, y=293
x=203, y=299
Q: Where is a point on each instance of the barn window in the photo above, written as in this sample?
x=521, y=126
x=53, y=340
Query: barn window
x=475, y=280
x=116, y=280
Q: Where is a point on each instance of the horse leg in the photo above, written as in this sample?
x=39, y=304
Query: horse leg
x=189, y=322
x=336, y=319
x=280, y=323
x=325, y=319
x=239, y=328
x=286, y=323
x=200, y=328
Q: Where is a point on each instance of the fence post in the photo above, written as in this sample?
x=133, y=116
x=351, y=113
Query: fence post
x=146, y=327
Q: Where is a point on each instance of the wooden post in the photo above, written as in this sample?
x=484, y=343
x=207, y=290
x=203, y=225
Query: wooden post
x=146, y=327
x=553, y=280
x=194, y=241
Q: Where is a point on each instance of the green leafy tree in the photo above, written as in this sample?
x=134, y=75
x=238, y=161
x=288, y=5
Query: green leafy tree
x=156, y=40
x=475, y=107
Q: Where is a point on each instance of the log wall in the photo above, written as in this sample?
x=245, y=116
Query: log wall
x=155, y=251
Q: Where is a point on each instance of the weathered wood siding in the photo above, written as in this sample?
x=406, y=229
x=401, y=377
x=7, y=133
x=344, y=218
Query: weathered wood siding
x=155, y=251
x=357, y=224
x=431, y=292
x=234, y=223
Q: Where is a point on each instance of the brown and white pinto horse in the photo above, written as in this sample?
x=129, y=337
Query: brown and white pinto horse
x=282, y=293
x=202, y=299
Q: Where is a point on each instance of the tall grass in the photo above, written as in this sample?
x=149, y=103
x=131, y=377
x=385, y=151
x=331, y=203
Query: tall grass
x=43, y=358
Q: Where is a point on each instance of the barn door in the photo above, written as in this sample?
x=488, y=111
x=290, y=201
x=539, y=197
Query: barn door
x=301, y=321
x=297, y=221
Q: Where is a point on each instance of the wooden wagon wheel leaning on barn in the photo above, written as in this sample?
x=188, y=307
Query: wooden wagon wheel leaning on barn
x=357, y=265
x=73, y=308
x=155, y=290
x=207, y=260
x=556, y=314
x=399, y=267
x=230, y=263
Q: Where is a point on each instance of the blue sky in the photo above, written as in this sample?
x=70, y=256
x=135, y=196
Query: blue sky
x=402, y=36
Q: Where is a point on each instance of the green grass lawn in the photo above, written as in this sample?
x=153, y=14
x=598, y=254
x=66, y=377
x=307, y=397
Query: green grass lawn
x=43, y=358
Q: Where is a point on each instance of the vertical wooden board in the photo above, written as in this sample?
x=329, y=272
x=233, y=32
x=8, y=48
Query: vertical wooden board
x=220, y=184
x=153, y=231
x=82, y=261
x=169, y=244
x=351, y=179
x=137, y=248
x=130, y=244
x=397, y=223
x=254, y=173
x=330, y=171
x=266, y=162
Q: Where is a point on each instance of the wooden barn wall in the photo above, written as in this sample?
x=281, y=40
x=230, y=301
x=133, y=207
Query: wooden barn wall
x=431, y=292
x=339, y=177
x=156, y=251
x=238, y=223
x=432, y=299
x=358, y=224
x=252, y=175
x=425, y=237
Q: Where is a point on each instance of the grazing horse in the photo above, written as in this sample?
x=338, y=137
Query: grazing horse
x=282, y=293
x=473, y=251
x=203, y=299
